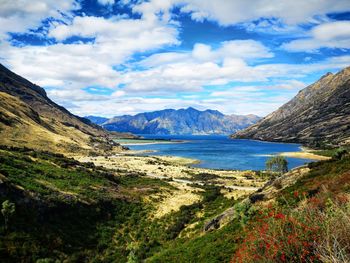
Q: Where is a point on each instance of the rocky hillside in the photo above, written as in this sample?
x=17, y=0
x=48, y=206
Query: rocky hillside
x=29, y=118
x=182, y=121
x=317, y=115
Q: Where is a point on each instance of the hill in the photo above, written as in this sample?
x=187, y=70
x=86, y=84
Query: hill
x=317, y=115
x=182, y=121
x=29, y=118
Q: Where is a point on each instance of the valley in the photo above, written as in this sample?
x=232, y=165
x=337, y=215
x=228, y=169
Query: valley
x=98, y=189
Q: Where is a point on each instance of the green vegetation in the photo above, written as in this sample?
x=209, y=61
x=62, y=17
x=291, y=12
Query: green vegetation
x=277, y=164
x=333, y=152
x=309, y=222
x=57, y=209
x=66, y=210
x=8, y=209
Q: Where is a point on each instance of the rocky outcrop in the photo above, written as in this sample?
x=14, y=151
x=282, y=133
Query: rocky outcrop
x=182, y=121
x=317, y=115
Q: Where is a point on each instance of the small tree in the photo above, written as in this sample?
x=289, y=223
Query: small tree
x=277, y=164
x=132, y=257
x=8, y=209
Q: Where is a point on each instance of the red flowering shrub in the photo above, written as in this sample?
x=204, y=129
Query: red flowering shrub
x=318, y=231
x=278, y=237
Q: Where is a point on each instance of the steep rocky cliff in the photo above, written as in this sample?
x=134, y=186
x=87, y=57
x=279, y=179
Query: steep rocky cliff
x=317, y=115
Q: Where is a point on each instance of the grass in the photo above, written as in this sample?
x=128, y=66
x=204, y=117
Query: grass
x=331, y=152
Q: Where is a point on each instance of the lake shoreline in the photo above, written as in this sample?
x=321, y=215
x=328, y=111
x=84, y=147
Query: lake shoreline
x=305, y=153
x=220, y=152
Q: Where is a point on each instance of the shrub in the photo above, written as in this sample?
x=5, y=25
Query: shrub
x=317, y=232
x=8, y=209
x=279, y=238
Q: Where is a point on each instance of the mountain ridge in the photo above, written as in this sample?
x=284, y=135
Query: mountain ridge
x=318, y=115
x=180, y=121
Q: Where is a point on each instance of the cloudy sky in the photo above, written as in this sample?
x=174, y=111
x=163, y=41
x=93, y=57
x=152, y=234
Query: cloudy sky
x=109, y=57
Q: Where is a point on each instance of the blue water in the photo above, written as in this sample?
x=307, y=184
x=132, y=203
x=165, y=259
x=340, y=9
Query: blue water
x=220, y=152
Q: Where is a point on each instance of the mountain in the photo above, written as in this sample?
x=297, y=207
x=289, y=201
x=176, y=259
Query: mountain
x=29, y=118
x=317, y=115
x=96, y=119
x=182, y=121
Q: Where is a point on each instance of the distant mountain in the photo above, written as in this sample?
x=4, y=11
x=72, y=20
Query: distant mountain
x=29, y=118
x=96, y=119
x=182, y=121
x=318, y=114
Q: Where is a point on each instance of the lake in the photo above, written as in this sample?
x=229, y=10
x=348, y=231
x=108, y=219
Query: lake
x=220, y=152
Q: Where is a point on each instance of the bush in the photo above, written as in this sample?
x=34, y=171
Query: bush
x=8, y=209
x=277, y=164
x=317, y=232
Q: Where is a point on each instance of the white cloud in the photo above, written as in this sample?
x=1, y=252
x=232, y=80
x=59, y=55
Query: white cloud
x=236, y=11
x=84, y=64
x=63, y=95
x=21, y=15
x=244, y=49
x=188, y=76
x=71, y=66
x=190, y=71
x=329, y=35
x=106, y=2
x=116, y=30
x=251, y=93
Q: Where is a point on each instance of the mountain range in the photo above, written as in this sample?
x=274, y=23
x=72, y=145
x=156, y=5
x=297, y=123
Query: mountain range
x=318, y=115
x=182, y=121
x=29, y=118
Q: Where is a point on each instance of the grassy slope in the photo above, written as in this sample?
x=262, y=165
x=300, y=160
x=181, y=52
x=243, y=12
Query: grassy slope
x=21, y=126
x=65, y=209
x=29, y=118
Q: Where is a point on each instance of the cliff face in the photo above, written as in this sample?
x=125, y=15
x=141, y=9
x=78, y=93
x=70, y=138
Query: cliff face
x=29, y=118
x=318, y=114
x=182, y=121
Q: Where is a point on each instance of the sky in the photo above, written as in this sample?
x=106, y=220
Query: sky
x=110, y=58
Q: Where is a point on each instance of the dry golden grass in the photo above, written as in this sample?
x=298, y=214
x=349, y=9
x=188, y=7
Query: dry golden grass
x=176, y=199
x=40, y=133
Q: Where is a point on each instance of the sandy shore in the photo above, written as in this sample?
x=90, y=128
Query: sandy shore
x=130, y=142
x=305, y=154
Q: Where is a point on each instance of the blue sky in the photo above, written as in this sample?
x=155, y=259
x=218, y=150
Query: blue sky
x=109, y=57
